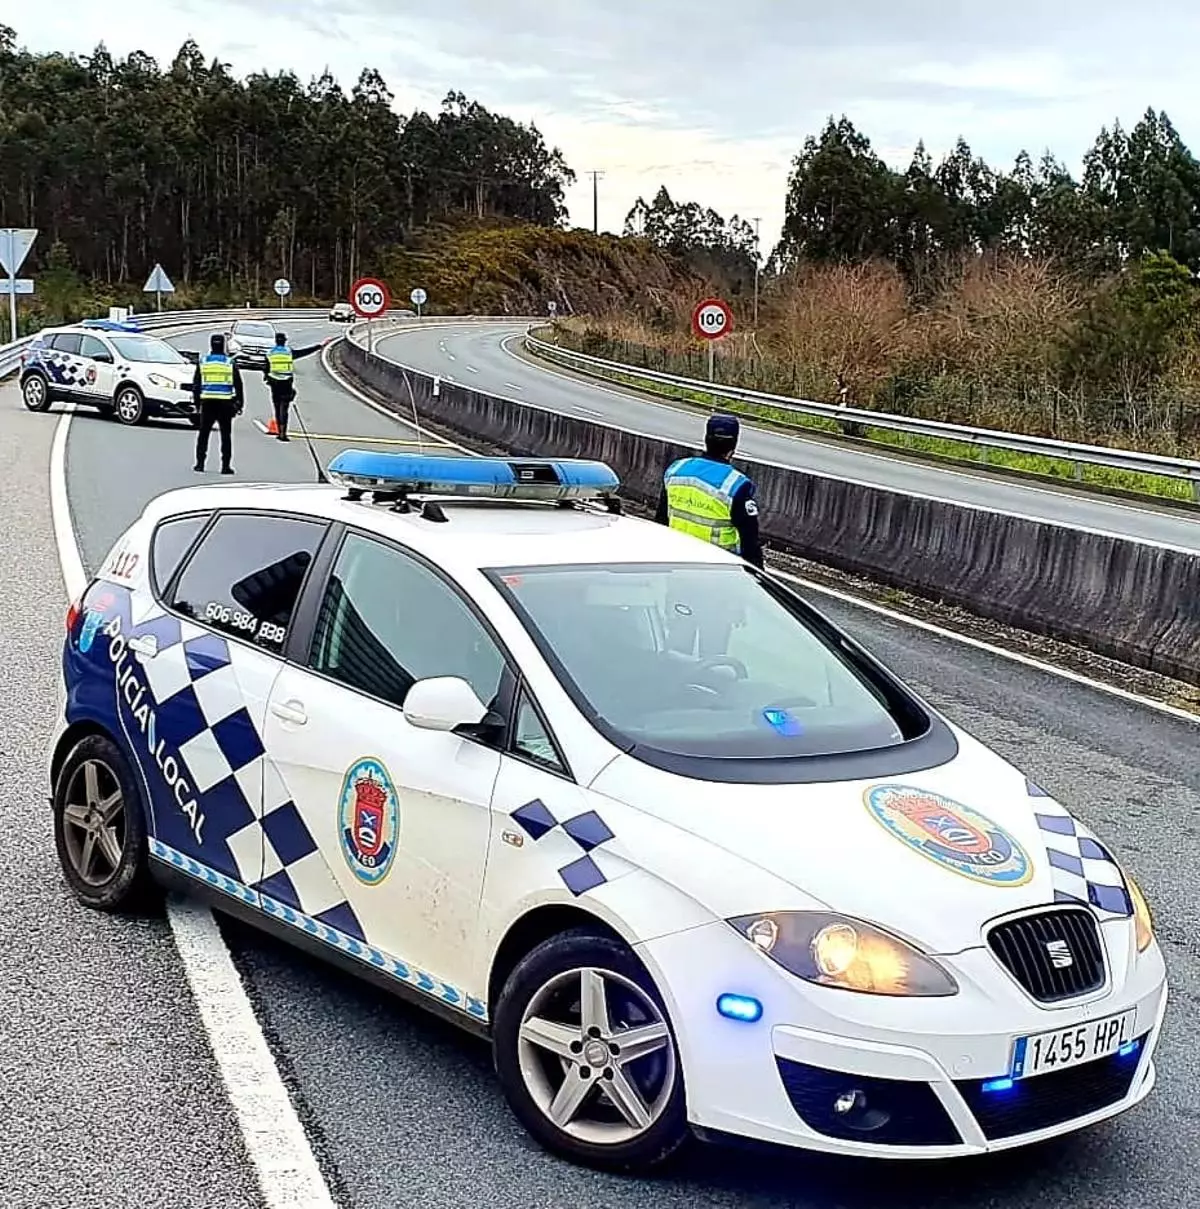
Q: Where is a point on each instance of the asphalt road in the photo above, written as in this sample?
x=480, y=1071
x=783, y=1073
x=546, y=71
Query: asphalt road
x=476, y=356
x=400, y=1108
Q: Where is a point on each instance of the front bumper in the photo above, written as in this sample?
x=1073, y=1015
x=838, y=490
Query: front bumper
x=919, y=1066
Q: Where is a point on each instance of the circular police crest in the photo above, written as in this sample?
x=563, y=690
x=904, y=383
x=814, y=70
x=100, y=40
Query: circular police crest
x=368, y=819
x=953, y=835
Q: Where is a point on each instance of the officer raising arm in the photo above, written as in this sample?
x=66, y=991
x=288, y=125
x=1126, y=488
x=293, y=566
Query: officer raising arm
x=281, y=379
x=217, y=389
x=708, y=498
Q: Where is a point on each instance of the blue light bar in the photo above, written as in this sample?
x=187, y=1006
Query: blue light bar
x=479, y=478
x=112, y=325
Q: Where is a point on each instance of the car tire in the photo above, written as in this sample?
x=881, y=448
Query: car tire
x=548, y=987
x=96, y=795
x=35, y=393
x=130, y=405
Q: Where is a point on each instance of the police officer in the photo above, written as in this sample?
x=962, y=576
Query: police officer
x=217, y=389
x=280, y=376
x=706, y=497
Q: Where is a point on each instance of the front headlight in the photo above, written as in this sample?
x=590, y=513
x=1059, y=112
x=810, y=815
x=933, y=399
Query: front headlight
x=1143, y=922
x=837, y=951
x=159, y=380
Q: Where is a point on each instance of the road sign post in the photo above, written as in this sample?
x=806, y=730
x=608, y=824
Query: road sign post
x=158, y=284
x=418, y=298
x=711, y=320
x=370, y=299
x=14, y=247
x=283, y=288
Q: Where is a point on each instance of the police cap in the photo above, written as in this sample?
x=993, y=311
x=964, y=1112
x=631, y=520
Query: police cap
x=723, y=427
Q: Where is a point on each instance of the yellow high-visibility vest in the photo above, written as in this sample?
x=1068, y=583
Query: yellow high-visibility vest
x=700, y=495
x=280, y=364
x=216, y=377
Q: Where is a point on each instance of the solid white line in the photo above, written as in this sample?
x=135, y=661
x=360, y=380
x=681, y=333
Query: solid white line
x=287, y=1170
x=1173, y=711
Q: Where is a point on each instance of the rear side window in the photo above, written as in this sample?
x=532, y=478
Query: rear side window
x=172, y=540
x=245, y=577
x=66, y=342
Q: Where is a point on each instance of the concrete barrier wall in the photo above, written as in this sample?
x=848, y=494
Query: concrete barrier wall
x=1130, y=601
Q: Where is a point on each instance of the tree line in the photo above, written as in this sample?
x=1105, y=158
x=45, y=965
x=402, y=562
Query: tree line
x=121, y=163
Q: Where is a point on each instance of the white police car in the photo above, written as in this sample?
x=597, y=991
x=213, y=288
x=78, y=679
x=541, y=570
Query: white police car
x=125, y=373
x=690, y=856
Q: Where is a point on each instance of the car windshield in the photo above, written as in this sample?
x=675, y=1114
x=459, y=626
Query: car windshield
x=258, y=331
x=705, y=661
x=148, y=350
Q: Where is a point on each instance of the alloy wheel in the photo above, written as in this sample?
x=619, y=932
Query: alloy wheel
x=94, y=822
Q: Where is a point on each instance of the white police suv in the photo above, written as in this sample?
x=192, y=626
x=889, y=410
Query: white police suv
x=691, y=858
x=126, y=373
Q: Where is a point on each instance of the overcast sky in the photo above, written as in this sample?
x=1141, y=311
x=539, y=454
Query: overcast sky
x=710, y=98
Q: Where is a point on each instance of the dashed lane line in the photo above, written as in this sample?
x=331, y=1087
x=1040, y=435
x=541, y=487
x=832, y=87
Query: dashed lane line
x=286, y=1168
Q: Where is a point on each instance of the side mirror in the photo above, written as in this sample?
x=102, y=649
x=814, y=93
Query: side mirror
x=105, y=358
x=443, y=703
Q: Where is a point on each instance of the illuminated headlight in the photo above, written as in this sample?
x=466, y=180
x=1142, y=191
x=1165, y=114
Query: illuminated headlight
x=1143, y=922
x=837, y=951
x=159, y=380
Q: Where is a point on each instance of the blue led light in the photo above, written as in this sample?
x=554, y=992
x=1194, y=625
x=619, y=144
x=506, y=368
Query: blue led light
x=481, y=478
x=111, y=325
x=783, y=722
x=994, y=1085
x=1130, y=1047
x=739, y=1007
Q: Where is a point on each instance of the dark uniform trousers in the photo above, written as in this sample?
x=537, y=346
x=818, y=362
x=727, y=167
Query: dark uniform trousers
x=282, y=393
x=219, y=412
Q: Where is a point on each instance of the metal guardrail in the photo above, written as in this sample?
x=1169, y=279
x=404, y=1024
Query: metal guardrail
x=10, y=354
x=984, y=438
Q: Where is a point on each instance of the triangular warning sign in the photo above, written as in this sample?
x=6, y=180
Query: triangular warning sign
x=158, y=282
x=15, y=243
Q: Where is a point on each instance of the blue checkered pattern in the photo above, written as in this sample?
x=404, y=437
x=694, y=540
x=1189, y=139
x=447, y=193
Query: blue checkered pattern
x=325, y=929
x=253, y=832
x=1081, y=867
x=582, y=835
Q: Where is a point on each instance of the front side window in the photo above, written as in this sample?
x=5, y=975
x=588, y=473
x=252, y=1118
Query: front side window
x=245, y=577
x=703, y=661
x=89, y=346
x=388, y=621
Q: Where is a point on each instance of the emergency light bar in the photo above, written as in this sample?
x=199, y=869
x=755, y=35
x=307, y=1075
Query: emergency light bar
x=112, y=325
x=405, y=474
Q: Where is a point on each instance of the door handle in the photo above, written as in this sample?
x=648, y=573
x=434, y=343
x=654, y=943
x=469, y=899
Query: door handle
x=289, y=711
x=144, y=644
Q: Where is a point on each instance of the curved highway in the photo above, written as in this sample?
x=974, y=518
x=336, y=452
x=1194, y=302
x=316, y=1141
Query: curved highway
x=484, y=356
x=104, y=1048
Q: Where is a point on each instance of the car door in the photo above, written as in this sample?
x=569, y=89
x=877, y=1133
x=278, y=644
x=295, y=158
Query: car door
x=98, y=377
x=209, y=662
x=66, y=367
x=399, y=817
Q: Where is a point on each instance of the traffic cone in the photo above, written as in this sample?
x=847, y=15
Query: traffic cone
x=273, y=428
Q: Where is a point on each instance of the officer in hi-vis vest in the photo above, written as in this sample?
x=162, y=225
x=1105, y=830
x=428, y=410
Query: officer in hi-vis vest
x=217, y=389
x=280, y=376
x=706, y=497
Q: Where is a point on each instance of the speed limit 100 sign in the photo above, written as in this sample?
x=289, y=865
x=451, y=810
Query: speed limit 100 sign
x=369, y=297
x=712, y=318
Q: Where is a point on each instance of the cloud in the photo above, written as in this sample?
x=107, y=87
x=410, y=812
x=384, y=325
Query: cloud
x=708, y=97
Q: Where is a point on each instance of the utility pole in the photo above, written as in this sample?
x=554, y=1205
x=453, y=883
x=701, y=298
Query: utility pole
x=596, y=201
x=757, y=221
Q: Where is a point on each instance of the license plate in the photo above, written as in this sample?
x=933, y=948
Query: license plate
x=1045, y=1052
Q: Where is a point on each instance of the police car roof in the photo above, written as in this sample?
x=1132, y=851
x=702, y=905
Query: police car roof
x=477, y=533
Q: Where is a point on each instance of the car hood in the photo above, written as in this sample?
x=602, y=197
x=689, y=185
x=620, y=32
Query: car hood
x=931, y=856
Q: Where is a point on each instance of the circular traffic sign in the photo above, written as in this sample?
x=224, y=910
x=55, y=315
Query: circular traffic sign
x=711, y=319
x=419, y=297
x=283, y=287
x=369, y=297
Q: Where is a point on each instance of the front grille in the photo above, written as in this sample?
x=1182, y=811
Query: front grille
x=1033, y=949
x=894, y=1112
x=1053, y=1099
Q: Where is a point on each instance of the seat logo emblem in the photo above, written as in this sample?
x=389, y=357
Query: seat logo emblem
x=368, y=820
x=1060, y=954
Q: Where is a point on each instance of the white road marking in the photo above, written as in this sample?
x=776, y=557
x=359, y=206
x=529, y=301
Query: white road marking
x=261, y=427
x=978, y=644
x=452, y=356
x=287, y=1170
x=512, y=386
x=472, y=370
